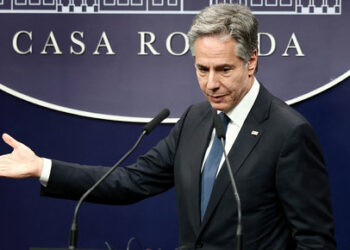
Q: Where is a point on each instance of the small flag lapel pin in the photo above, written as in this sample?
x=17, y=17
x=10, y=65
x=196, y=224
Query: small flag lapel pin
x=255, y=133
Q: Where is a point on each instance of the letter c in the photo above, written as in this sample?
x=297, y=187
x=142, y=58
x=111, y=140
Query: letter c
x=15, y=42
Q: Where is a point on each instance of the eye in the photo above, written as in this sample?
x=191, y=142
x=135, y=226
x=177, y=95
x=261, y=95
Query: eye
x=226, y=70
x=202, y=69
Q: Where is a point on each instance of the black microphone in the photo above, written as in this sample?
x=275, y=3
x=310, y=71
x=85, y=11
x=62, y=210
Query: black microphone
x=73, y=236
x=156, y=120
x=220, y=132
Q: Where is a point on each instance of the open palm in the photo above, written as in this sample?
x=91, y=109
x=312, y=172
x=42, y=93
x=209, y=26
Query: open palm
x=21, y=163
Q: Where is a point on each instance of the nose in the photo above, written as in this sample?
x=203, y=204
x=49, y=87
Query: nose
x=213, y=81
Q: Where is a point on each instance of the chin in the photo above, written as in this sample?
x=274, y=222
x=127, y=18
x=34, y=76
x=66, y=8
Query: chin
x=218, y=107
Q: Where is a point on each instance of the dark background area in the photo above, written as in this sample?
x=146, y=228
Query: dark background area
x=26, y=219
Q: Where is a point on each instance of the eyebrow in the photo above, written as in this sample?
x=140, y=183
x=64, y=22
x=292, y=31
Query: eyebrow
x=198, y=65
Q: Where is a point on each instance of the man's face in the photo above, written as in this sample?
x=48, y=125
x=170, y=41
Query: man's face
x=223, y=77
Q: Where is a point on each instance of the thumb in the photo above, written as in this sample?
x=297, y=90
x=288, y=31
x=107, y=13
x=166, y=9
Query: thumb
x=10, y=141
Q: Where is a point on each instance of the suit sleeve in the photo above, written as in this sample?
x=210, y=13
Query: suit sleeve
x=303, y=188
x=150, y=175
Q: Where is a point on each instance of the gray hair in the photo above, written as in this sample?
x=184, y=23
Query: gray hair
x=236, y=21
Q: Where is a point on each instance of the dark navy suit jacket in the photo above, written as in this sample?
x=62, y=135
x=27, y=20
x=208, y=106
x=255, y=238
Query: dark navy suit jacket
x=280, y=174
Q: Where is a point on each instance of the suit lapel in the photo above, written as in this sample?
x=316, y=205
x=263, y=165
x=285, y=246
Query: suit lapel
x=244, y=144
x=202, y=135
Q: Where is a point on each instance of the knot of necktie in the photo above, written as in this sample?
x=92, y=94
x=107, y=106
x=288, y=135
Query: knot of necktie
x=225, y=120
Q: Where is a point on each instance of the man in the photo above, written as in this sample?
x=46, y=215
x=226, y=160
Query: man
x=273, y=151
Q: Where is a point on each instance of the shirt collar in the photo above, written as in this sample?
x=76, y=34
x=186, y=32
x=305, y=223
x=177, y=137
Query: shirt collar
x=239, y=113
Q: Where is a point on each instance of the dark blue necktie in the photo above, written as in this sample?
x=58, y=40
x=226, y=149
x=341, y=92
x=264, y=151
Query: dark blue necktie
x=211, y=166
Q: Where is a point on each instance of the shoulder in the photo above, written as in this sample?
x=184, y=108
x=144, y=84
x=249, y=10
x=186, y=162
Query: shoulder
x=193, y=115
x=285, y=113
x=195, y=112
x=283, y=121
x=200, y=109
x=280, y=112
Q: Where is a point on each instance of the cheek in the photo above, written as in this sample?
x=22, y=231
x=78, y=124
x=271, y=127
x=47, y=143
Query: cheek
x=234, y=83
x=202, y=83
x=230, y=84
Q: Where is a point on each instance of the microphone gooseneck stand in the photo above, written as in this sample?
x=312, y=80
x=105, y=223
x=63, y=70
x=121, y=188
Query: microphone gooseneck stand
x=221, y=135
x=73, y=236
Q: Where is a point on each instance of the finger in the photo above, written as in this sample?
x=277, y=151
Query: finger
x=10, y=141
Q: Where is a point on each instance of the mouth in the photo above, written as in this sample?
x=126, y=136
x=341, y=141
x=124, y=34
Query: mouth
x=216, y=98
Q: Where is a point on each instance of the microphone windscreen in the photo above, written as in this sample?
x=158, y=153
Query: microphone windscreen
x=220, y=131
x=156, y=120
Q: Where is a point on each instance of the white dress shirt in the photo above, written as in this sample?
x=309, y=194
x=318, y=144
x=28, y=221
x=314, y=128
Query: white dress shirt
x=237, y=117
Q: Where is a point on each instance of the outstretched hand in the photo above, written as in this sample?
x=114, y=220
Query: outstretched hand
x=21, y=163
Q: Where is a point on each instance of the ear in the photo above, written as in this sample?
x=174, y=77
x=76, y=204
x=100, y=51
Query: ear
x=252, y=63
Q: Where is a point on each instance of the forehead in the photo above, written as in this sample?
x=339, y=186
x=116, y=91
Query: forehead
x=209, y=49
